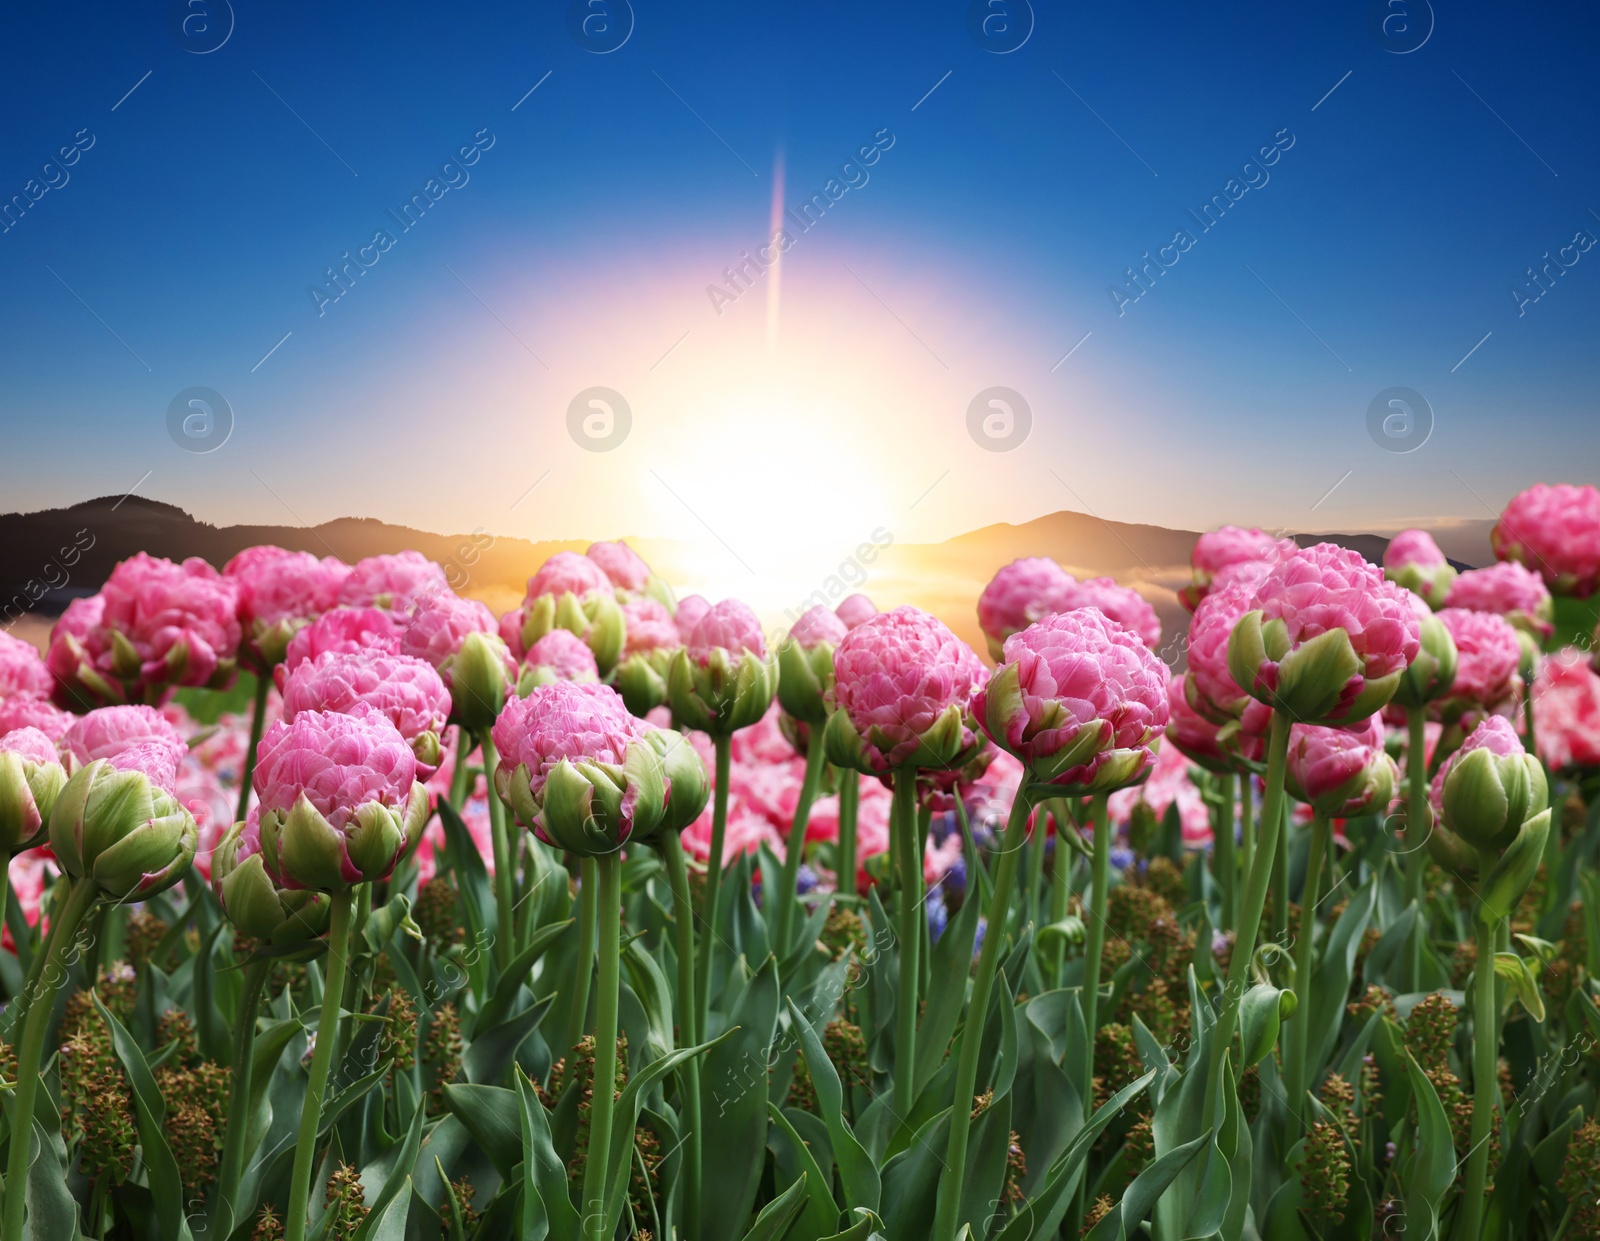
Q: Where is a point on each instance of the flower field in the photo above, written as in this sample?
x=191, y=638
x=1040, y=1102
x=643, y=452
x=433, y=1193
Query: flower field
x=339, y=907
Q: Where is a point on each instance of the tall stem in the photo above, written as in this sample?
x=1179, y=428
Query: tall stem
x=1035, y=875
x=786, y=897
x=849, y=800
x=953, y=1178
x=688, y=1032
x=904, y=827
x=719, y=832
x=578, y=1013
x=1279, y=826
x=258, y=721
x=233, y=1145
x=1060, y=880
x=321, y=1061
x=1247, y=830
x=41, y=1008
x=1100, y=879
x=1485, y=1081
x=1222, y=859
x=603, y=1089
x=504, y=860
x=1296, y=1071
x=460, y=790
x=1244, y=944
x=1416, y=800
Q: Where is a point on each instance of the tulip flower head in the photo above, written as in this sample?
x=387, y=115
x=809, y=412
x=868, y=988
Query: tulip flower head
x=253, y=901
x=340, y=799
x=405, y=691
x=558, y=656
x=1023, y=592
x=1235, y=553
x=1566, y=711
x=395, y=583
x=1080, y=700
x=1509, y=589
x=130, y=738
x=1431, y=674
x=805, y=664
x=279, y=593
x=458, y=637
x=1487, y=789
x=689, y=610
x=1328, y=639
x=1202, y=740
x=629, y=574
x=342, y=629
x=1413, y=560
x=651, y=637
x=31, y=778
x=575, y=767
x=26, y=711
x=22, y=671
x=1488, y=658
x=1555, y=531
x=855, y=610
x=1341, y=772
x=1122, y=604
x=569, y=592
x=722, y=679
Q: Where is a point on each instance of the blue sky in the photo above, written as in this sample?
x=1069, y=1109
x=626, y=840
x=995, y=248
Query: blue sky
x=1379, y=250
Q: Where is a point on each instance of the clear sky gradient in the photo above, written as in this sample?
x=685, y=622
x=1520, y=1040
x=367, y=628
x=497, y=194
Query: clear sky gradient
x=1407, y=196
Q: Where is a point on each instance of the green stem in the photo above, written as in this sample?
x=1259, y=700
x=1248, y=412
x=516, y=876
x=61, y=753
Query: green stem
x=785, y=898
x=1416, y=800
x=1485, y=1081
x=84, y=894
x=1060, y=880
x=689, y=1074
x=504, y=860
x=1035, y=876
x=904, y=829
x=953, y=1178
x=17, y=1011
x=849, y=800
x=602, y=1097
x=258, y=720
x=1280, y=873
x=1247, y=830
x=583, y=971
x=233, y=1146
x=1296, y=1070
x=1222, y=858
x=1244, y=944
x=1100, y=872
x=719, y=832
x=459, y=787
x=321, y=1061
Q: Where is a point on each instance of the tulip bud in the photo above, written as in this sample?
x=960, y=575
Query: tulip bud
x=590, y=807
x=256, y=905
x=1512, y=874
x=688, y=788
x=300, y=845
x=478, y=681
x=641, y=679
x=31, y=778
x=724, y=693
x=1429, y=582
x=596, y=618
x=122, y=832
x=1433, y=671
x=1490, y=787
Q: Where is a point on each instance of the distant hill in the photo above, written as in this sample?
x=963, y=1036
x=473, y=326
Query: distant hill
x=49, y=558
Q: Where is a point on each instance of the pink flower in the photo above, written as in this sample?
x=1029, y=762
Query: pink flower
x=26, y=711
x=396, y=582
x=565, y=657
x=576, y=720
x=897, y=677
x=178, y=619
x=816, y=626
x=1079, y=699
x=1169, y=783
x=22, y=671
x=650, y=627
x=1196, y=737
x=690, y=610
x=622, y=565
x=1509, y=589
x=1342, y=772
x=278, y=592
x=1122, y=604
x=405, y=691
x=856, y=610
x=746, y=832
x=1320, y=590
x=30, y=744
x=1487, y=655
x=1494, y=734
x=1212, y=691
x=1023, y=592
x=134, y=738
x=731, y=626
x=763, y=743
x=1566, y=711
x=1412, y=547
x=1248, y=554
x=440, y=623
x=340, y=762
x=342, y=629
x=1556, y=532
x=568, y=573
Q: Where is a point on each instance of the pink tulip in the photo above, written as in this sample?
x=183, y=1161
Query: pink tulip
x=1509, y=589
x=77, y=643
x=575, y=720
x=1122, y=604
x=1412, y=547
x=1023, y=592
x=1555, y=531
x=1566, y=711
x=1244, y=555
x=650, y=627
x=621, y=564
x=1487, y=655
x=135, y=738
x=437, y=626
x=816, y=626
x=1210, y=686
x=855, y=610
x=22, y=671
x=26, y=711
x=278, y=592
x=30, y=744
x=1341, y=772
x=690, y=610
x=730, y=626
x=563, y=656
x=905, y=682
x=1080, y=700
x=405, y=691
x=1196, y=737
x=342, y=629
x=398, y=582
x=568, y=573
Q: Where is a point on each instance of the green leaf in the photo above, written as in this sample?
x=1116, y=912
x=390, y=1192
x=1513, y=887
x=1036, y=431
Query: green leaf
x=779, y=1215
x=166, y=1185
x=516, y=974
x=387, y=1222
x=397, y=1184
x=52, y=1211
x=857, y=1173
x=211, y=1031
x=1514, y=970
x=949, y=971
x=911, y=1179
x=865, y=1228
x=792, y=1157
x=493, y=1118
x=491, y=1053
x=546, y=1200
x=650, y=985
x=1324, y=1007
x=1126, y=1215
x=1260, y=1014
x=734, y=1110
x=1433, y=1167
x=457, y=1229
